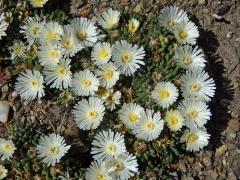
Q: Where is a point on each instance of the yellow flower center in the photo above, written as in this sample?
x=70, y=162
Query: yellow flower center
x=52, y=36
x=92, y=114
x=18, y=49
x=195, y=87
x=164, y=94
x=35, y=30
x=108, y=74
x=87, y=83
x=54, y=150
x=110, y=98
x=132, y=27
x=173, y=120
x=111, y=148
x=171, y=24
x=7, y=148
x=187, y=60
x=183, y=34
x=192, y=114
x=149, y=124
x=133, y=117
x=101, y=176
x=82, y=35
x=53, y=54
x=192, y=138
x=35, y=84
x=61, y=72
x=119, y=166
x=126, y=57
x=68, y=43
x=103, y=54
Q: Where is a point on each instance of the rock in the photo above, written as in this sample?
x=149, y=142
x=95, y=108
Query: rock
x=234, y=125
x=137, y=8
x=231, y=176
x=201, y=1
x=4, y=111
x=191, y=160
x=214, y=175
x=182, y=167
x=221, y=150
x=207, y=161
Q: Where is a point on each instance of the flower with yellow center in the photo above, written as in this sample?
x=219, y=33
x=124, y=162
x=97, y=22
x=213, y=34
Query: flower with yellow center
x=52, y=148
x=149, y=126
x=98, y=171
x=190, y=58
x=198, y=85
x=174, y=120
x=165, y=94
x=60, y=75
x=112, y=99
x=88, y=114
x=49, y=54
x=108, y=144
x=7, y=149
x=195, y=113
x=124, y=166
x=85, y=83
x=130, y=114
x=109, y=19
x=18, y=49
x=108, y=75
x=195, y=139
x=51, y=32
x=170, y=16
x=133, y=25
x=84, y=31
x=3, y=172
x=29, y=85
x=32, y=29
x=127, y=57
x=38, y=3
x=186, y=32
x=101, y=53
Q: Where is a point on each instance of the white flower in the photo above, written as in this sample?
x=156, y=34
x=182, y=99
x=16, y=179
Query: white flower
x=108, y=75
x=133, y=25
x=186, y=32
x=108, y=144
x=197, y=84
x=98, y=171
x=59, y=76
x=149, y=126
x=88, y=114
x=52, y=148
x=18, y=49
x=130, y=114
x=109, y=19
x=195, y=113
x=49, y=54
x=170, y=16
x=70, y=46
x=7, y=149
x=174, y=120
x=29, y=85
x=102, y=93
x=32, y=29
x=37, y=3
x=3, y=26
x=125, y=166
x=112, y=99
x=51, y=32
x=101, y=53
x=189, y=58
x=85, y=83
x=3, y=172
x=127, y=57
x=85, y=31
x=4, y=111
x=195, y=139
x=165, y=94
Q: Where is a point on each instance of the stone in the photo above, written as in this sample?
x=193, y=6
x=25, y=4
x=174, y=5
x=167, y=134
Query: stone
x=201, y=1
x=4, y=111
x=221, y=150
x=234, y=125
